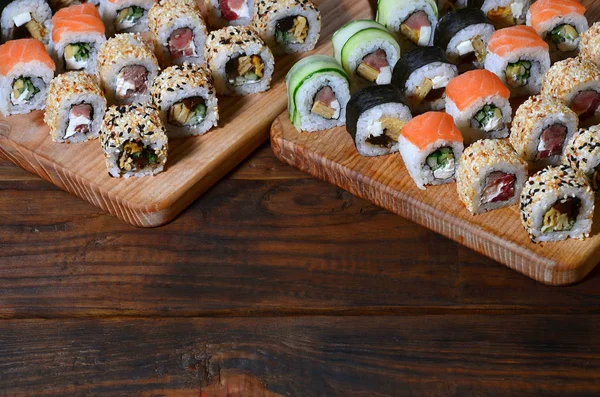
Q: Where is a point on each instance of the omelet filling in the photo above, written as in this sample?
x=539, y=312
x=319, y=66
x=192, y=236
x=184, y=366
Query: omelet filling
x=385, y=132
x=136, y=156
x=472, y=51
x=430, y=90
x=27, y=26
x=187, y=112
x=247, y=69
x=291, y=30
x=562, y=216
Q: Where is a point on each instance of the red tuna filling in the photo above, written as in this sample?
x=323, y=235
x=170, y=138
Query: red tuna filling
x=499, y=186
x=137, y=75
x=417, y=20
x=376, y=60
x=179, y=43
x=325, y=95
x=228, y=8
x=552, y=141
x=585, y=104
x=82, y=110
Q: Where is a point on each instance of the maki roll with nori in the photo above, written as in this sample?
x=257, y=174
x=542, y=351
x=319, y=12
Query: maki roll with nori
x=504, y=13
x=520, y=58
x=556, y=204
x=318, y=92
x=445, y=6
x=576, y=82
x=490, y=176
x=464, y=35
x=479, y=104
x=414, y=21
x=560, y=23
x=367, y=51
x=288, y=26
x=240, y=62
x=541, y=129
x=186, y=99
x=134, y=141
x=583, y=155
x=375, y=118
x=431, y=145
x=422, y=75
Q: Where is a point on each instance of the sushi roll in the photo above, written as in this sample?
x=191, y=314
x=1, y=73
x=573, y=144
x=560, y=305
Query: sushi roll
x=375, y=117
x=541, y=128
x=490, y=176
x=186, y=99
x=576, y=82
x=422, y=75
x=590, y=44
x=25, y=72
x=479, y=104
x=179, y=31
x=557, y=203
x=240, y=62
x=318, y=92
x=414, y=21
x=74, y=108
x=520, y=58
x=583, y=155
x=223, y=13
x=504, y=13
x=431, y=145
x=288, y=26
x=464, y=35
x=77, y=34
x=560, y=23
x=367, y=51
x=23, y=19
x=127, y=67
x=125, y=16
x=134, y=141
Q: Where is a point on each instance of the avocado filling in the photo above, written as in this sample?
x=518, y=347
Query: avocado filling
x=136, y=156
x=385, y=132
x=247, y=69
x=562, y=216
x=23, y=90
x=565, y=37
x=488, y=119
x=291, y=30
x=187, y=112
x=518, y=73
x=129, y=17
x=442, y=163
x=77, y=55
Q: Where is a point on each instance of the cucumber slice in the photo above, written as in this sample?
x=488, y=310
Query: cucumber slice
x=304, y=70
x=343, y=34
x=359, y=39
x=386, y=8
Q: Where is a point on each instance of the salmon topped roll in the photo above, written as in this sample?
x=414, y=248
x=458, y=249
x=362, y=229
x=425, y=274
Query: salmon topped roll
x=520, y=58
x=431, y=145
x=560, y=23
x=576, y=82
x=179, y=31
x=25, y=72
x=23, y=19
x=77, y=34
x=479, y=103
x=125, y=16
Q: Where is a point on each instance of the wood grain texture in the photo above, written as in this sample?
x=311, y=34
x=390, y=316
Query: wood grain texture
x=194, y=164
x=453, y=355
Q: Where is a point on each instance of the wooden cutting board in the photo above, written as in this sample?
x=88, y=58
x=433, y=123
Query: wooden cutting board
x=194, y=164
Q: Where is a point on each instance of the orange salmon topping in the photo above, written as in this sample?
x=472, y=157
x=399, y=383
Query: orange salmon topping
x=510, y=39
x=545, y=10
x=82, y=18
x=427, y=128
x=22, y=51
x=474, y=85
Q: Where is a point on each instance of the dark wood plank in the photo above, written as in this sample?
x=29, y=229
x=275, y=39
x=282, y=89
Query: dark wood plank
x=263, y=165
x=248, y=247
x=350, y=356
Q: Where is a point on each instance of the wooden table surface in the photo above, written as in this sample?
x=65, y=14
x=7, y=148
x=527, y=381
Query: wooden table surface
x=273, y=284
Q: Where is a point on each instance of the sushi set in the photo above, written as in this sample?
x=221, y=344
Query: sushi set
x=481, y=122
x=140, y=106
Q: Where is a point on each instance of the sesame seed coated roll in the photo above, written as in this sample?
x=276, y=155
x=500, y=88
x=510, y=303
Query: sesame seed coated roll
x=583, y=154
x=589, y=47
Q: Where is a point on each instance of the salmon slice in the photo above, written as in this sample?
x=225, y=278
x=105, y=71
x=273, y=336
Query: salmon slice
x=16, y=52
x=429, y=127
x=474, y=85
x=82, y=18
x=507, y=40
x=544, y=10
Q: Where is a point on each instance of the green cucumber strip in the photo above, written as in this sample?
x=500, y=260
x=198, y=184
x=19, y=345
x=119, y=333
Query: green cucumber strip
x=343, y=34
x=385, y=9
x=359, y=39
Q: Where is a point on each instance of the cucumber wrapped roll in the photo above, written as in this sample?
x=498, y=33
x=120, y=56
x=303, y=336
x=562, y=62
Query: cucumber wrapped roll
x=318, y=92
x=367, y=51
x=413, y=20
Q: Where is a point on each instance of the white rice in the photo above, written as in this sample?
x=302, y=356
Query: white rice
x=463, y=119
x=540, y=63
x=367, y=126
